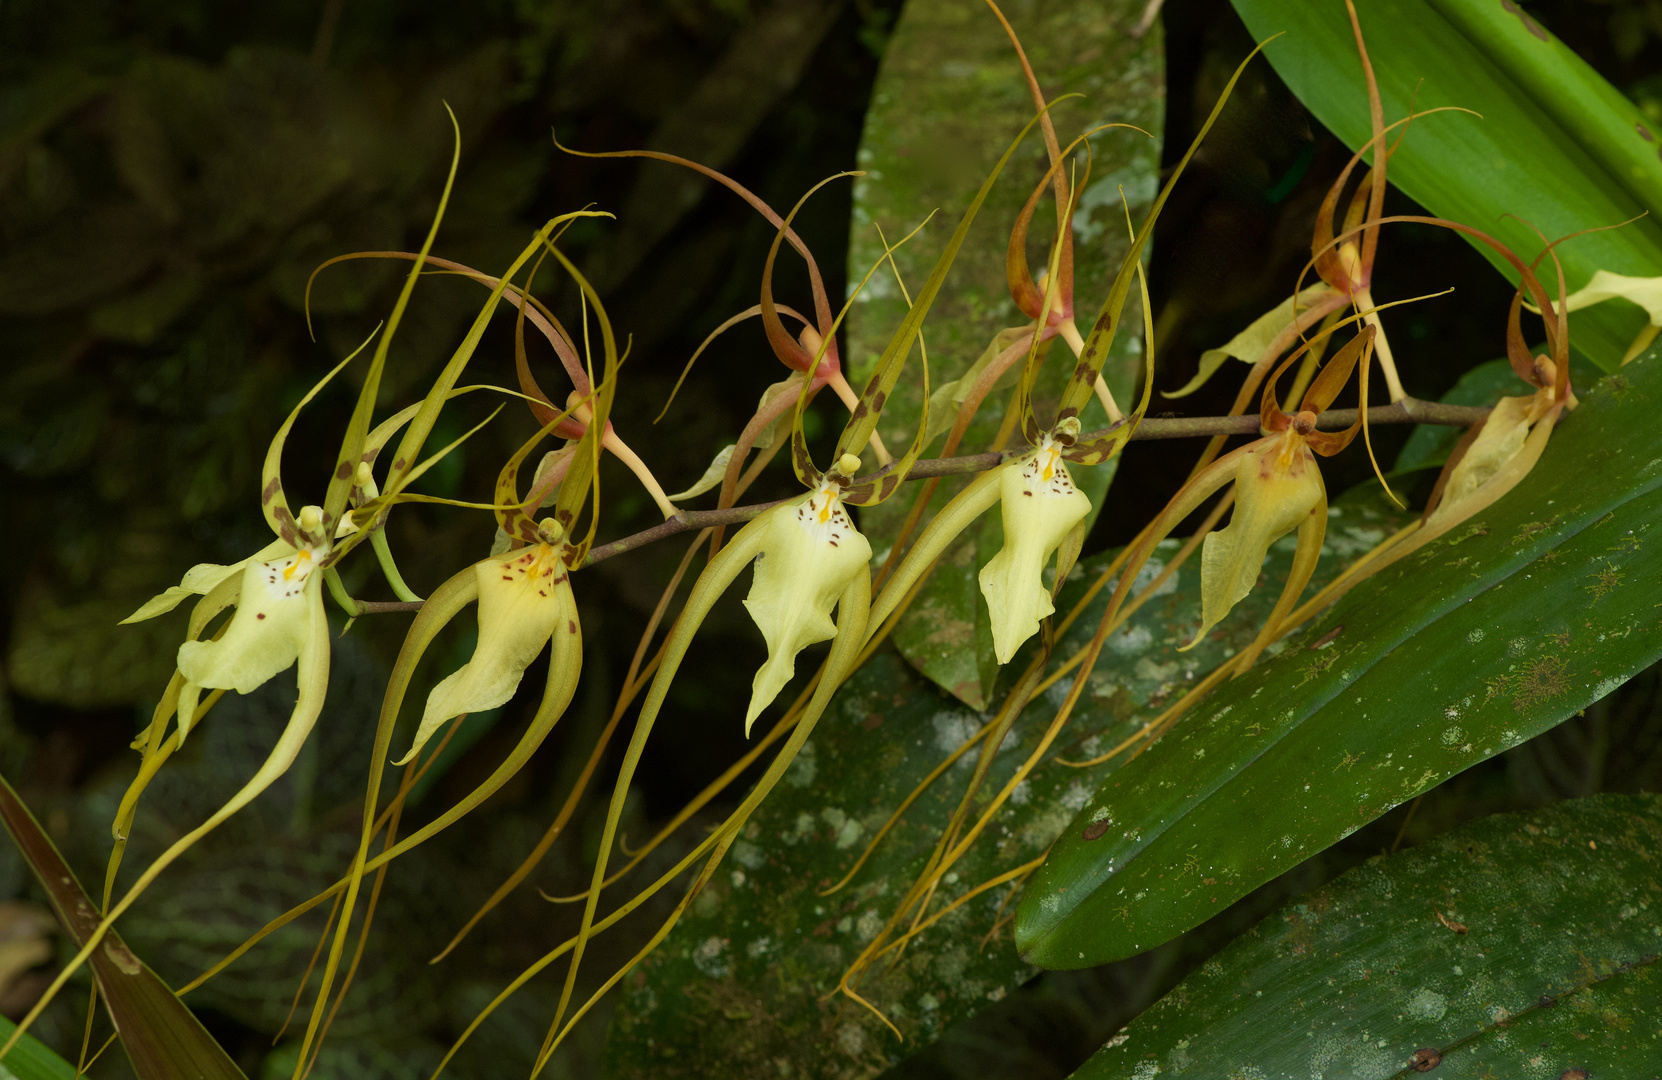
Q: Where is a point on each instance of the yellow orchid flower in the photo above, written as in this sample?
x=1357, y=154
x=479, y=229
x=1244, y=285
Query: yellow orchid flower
x=1646, y=292
x=279, y=620
x=810, y=552
x=1040, y=507
x=525, y=598
x=1278, y=488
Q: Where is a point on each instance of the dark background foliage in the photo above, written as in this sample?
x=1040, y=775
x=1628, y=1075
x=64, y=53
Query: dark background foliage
x=170, y=173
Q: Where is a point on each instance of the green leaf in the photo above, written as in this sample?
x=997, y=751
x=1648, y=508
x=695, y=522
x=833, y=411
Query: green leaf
x=1546, y=963
x=32, y=1059
x=163, y=1039
x=1490, y=635
x=950, y=95
x=737, y=986
x=1556, y=145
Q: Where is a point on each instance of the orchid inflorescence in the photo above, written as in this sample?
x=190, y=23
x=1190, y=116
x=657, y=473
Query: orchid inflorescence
x=812, y=577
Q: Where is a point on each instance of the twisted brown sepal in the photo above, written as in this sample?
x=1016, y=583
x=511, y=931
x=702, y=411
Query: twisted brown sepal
x=1082, y=383
x=784, y=346
x=163, y=1039
x=857, y=432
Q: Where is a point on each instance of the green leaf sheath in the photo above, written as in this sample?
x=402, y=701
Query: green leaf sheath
x=163, y=1039
x=1556, y=145
x=1546, y=963
x=1491, y=634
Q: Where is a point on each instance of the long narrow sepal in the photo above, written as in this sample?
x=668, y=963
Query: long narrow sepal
x=1082, y=383
x=313, y=685
x=718, y=574
x=956, y=516
x=864, y=421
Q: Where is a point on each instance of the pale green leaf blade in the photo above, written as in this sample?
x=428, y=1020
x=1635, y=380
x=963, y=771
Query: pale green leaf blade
x=1555, y=146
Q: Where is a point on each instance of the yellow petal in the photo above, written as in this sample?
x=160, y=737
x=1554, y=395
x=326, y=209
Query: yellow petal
x=519, y=600
x=810, y=552
x=1041, y=506
x=273, y=618
x=200, y=580
x=1498, y=442
x=1276, y=488
x=1644, y=291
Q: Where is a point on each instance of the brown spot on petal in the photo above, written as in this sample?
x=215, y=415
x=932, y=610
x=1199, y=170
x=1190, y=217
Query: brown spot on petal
x=271, y=490
x=343, y=470
x=571, y=626
x=259, y=615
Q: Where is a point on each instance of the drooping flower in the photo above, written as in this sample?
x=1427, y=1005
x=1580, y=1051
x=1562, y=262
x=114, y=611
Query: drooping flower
x=524, y=599
x=1040, y=507
x=279, y=620
x=810, y=552
x=1277, y=489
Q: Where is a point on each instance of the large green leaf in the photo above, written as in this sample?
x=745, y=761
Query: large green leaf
x=1522, y=944
x=1484, y=638
x=949, y=97
x=163, y=1039
x=31, y=1059
x=736, y=987
x=1556, y=145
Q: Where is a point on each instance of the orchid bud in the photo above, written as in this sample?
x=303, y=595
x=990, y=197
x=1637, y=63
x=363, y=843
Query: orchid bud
x=1041, y=506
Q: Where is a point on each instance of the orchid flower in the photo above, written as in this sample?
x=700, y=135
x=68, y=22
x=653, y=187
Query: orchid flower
x=810, y=560
x=1043, y=512
x=1278, y=489
x=525, y=600
x=1041, y=507
x=1646, y=292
